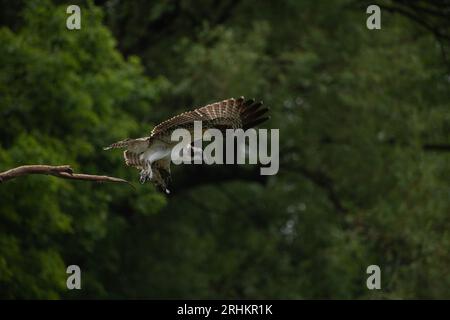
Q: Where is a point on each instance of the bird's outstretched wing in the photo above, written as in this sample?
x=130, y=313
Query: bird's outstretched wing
x=134, y=148
x=136, y=145
x=230, y=113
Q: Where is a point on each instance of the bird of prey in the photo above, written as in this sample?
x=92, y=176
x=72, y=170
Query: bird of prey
x=152, y=155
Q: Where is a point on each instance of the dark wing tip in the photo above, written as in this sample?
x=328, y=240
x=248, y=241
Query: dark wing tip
x=249, y=102
x=239, y=101
x=254, y=122
x=251, y=108
x=255, y=114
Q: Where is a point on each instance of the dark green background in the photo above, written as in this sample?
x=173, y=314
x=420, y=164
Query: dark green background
x=364, y=149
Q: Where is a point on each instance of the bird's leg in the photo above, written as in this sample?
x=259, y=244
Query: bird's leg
x=146, y=173
x=142, y=177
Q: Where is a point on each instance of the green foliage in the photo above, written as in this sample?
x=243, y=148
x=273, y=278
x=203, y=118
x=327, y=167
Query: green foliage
x=360, y=182
x=64, y=96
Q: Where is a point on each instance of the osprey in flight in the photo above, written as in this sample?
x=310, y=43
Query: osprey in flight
x=152, y=154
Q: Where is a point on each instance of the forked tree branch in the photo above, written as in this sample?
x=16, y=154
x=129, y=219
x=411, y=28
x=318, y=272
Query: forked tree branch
x=64, y=172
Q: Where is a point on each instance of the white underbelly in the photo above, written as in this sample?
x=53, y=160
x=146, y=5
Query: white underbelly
x=156, y=152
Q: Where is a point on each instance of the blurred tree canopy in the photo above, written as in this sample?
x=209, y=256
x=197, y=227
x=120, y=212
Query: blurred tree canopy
x=364, y=148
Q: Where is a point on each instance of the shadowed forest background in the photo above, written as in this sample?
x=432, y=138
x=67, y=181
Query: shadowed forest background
x=364, y=149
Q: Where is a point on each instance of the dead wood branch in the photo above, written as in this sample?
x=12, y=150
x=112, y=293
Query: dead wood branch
x=64, y=172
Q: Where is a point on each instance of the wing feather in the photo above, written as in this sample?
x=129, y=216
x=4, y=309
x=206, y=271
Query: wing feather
x=132, y=159
x=230, y=113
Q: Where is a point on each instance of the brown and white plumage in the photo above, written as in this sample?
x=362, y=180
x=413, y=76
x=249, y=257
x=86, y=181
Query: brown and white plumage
x=151, y=154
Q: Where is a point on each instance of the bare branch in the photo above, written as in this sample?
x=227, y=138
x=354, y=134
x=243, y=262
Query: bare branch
x=64, y=172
